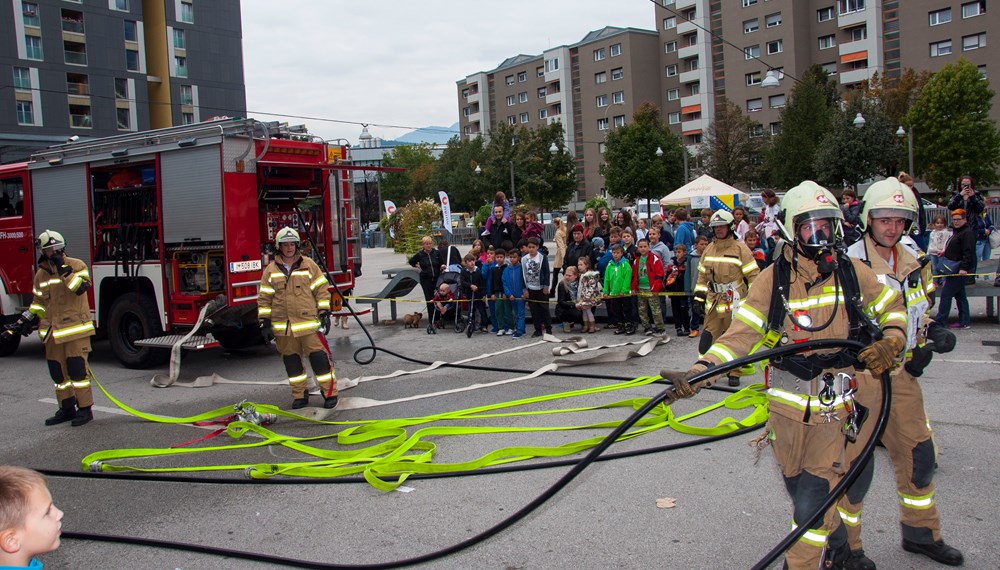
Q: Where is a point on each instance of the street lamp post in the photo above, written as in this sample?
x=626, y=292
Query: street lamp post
x=901, y=132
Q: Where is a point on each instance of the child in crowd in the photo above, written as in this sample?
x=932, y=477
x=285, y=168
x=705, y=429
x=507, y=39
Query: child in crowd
x=630, y=306
x=935, y=247
x=640, y=231
x=601, y=254
x=566, y=293
x=29, y=522
x=618, y=291
x=478, y=251
x=647, y=282
x=487, y=272
x=499, y=200
x=535, y=269
x=691, y=279
x=702, y=228
x=472, y=290
x=504, y=315
x=629, y=249
x=444, y=304
x=676, y=272
x=522, y=247
x=589, y=293
x=753, y=243
x=513, y=289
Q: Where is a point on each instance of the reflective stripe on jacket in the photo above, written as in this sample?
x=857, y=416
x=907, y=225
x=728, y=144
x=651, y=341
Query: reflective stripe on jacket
x=725, y=261
x=64, y=315
x=294, y=299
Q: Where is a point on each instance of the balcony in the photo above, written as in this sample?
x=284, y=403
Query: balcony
x=553, y=98
x=81, y=121
x=681, y=4
x=81, y=89
x=869, y=44
x=856, y=75
x=854, y=18
x=689, y=51
x=73, y=26
x=699, y=99
x=693, y=75
x=694, y=125
x=75, y=57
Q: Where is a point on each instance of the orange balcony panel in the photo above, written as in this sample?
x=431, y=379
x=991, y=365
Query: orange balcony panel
x=856, y=56
x=692, y=132
x=691, y=109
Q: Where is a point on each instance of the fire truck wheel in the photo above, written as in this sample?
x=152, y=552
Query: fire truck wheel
x=134, y=317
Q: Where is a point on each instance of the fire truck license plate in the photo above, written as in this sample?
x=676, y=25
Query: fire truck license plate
x=244, y=266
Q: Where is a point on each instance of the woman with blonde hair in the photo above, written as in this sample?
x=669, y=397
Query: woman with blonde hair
x=557, y=263
x=590, y=226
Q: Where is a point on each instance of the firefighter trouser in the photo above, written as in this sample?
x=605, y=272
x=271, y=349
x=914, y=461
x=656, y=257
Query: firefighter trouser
x=68, y=369
x=716, y=323
x=813, y=459
x=291, y=349
x=908, y=440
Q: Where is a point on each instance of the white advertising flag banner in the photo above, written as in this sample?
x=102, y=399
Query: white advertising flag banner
x=390, y=209
x=445, y=210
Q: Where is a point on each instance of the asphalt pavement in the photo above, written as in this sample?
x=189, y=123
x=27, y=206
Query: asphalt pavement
x=729, y=509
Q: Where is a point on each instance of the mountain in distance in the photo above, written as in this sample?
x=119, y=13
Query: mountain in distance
x=430, y=135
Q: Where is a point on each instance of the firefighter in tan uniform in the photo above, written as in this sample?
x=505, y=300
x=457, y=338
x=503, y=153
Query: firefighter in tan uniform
x=294, y=310
x=812, y=292
x=727, y=267
x=62, y=311
x=888, y=210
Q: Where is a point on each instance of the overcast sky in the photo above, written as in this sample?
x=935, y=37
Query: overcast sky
x=396, y=62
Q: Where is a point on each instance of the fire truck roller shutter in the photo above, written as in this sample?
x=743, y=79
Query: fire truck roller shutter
x=59, y=194
x=192, y=194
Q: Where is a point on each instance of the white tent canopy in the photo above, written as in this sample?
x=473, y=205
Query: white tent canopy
x=702, y=187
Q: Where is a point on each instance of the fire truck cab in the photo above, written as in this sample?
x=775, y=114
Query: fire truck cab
x=172, y=219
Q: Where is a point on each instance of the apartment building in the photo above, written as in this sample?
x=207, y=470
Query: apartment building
x=93, y=68
x=589, y=87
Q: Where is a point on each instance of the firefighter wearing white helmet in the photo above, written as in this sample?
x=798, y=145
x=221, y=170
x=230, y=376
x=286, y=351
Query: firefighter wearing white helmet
x=293, y=307
x=811, y=291
x=888, y=211
x=727, y=267
x=62, y=312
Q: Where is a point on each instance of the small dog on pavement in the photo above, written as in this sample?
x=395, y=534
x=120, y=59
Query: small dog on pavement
x=412, y=321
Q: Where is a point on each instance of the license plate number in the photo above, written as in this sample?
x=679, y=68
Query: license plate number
x=244, y=266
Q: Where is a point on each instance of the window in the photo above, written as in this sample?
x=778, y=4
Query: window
x=601, y=77
x=691, y=39
x=617, y=73
x=74, y=53
x=131, y=31
x=751, y=52
x=939, y=17
x=542, y=92
x=511, y=120
x=690, y=14
x=974, y=42
x=552, y=64
x=186, y=15
x=674, y=118
x=465, y=93
x=120, y=5
x=72, y=21
x=851, y=6
x=694, y=139
x=668, y=2
x=510, y=100
x=618, y=97
x=522, y=97
x=982, y=71
x=80, y=117
x=524, y=117
x=772, y=20
x=691, y=64
x=29, y=12
x=757, y=130
x=824, y=14
x=753, y=78
x=671, y=70
x=858, y=33
x=121, y=88
x=77, y=84
x=25, y=113
x=132, y=60
x=827, y=42
x=777, y=46
x=602, y=124
x=750, y=26
x=748, y=3
x=188, y=119
x=180, y=39
x=670, y=47
x=776, y=101
x=33, y=47
x=619, y=121
x=540, y=71
x=12, y=193
x=599, y=54
x=182, y=69
x=775, y=128
x=941, y=48
x=754, y=105
x=124, y=119
x=670, y=23
x=694, y=88
x=602, y=101
x=522, y=77
x=509, y=80
x=830, y=68
x=543, y=114
x=673, y=94
x=22, y=78
x=602, y=147
x=616, y=50
x=973, y=9
x=467, y=130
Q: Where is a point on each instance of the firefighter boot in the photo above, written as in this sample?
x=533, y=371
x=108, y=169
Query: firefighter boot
x=330, y=403
x=299, y=403
x=734, y=381
x=858, y=561
x=66, y=412
x=937, y=551
x=83, y=415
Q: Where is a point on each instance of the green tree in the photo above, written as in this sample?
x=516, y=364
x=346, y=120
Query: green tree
x=632, y=170
x=730, y=152
x=546, y=180
x=415, y=183
x=849, y=154
x=804, y=122
x=494, y=169
x=455, y=173
x=953, y=132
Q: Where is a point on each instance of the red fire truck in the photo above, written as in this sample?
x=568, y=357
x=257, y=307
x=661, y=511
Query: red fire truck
x=171, y=219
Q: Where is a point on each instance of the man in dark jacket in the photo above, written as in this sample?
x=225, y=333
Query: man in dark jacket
x=958, y=258
x=500, y=231
x=578, y=248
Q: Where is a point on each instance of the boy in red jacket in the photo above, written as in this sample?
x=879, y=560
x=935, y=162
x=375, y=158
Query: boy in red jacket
x=647, y=282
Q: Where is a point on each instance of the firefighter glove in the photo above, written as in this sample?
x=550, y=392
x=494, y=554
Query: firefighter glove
x=681, y=381
x=265, y=331
x=881, y=355
x=941, y=339
x=22, y=326
x=324, y=322
x=65, y=270
x=918, y=361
